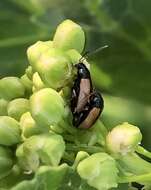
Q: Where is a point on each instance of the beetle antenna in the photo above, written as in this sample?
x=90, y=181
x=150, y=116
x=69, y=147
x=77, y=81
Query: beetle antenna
x=87, y=54
x=97, y=50
x=84, y=56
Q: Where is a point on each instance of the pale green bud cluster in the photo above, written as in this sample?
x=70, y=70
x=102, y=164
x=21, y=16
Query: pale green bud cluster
x=39, y=147
x=53, y=60
x=33, y=108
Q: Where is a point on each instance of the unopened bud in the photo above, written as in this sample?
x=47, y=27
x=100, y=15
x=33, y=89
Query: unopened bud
x=11, y=88
x=99, y=170
x=36, y=50
x=123, y=139
x=47, y=107
x=69, y=35
x=9, y=131
x=17, y=107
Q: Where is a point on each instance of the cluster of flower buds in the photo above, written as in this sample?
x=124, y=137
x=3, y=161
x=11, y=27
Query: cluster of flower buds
x=38, y=141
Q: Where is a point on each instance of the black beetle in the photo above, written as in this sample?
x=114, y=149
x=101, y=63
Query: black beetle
x=90, y=113
x=81, y=89
x=86, y=104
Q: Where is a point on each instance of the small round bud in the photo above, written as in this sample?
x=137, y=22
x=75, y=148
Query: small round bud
x=27, y=161
x=6, y=161
x=81, y=155
x=36, y=50
x=3, y=107
x=27, y=83
x=47, y=149
x=54, y=68
x=123, y=139
x=29, y=126
x=99, y=170
x=37, y=82
x=9, y=131
x=17, y=107
x=69, y=35
x=29, y=72
x=11, y=88
x=47, y=107
x=74, y=56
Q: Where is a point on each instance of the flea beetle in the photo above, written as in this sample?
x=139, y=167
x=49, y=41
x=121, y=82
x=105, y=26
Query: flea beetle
x=81, y=89
x=86, y=103
x=90, y=113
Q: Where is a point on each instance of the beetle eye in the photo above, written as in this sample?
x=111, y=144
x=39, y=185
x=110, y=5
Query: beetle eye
x=80, y=71
x=95, y=99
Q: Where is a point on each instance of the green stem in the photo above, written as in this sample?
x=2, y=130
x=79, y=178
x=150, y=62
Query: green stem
x=143, y=151
x=69, y=138
x=137, y=178
x=134, y=164
x=102, y=128
x=67, y=127
x=68, y=157
x=83, y=147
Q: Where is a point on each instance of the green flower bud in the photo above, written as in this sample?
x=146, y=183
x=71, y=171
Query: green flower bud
x=11, y=87
x=34, y=89
x=69, y=35
x=54, y=68
x=29, y=72
x=56, y=129
x=29, y=126
x=123, y=139
x=80, y=156
x=37, y=82
x=28, y=161
x=6, y=162
x=45, y=148
x=3, y=107
x=9, y=131
x=74, y=55
x=65, y=93
x=36, y=50
x=47, y=107
x=99, y=170
x=17, y=107
x=27, y=83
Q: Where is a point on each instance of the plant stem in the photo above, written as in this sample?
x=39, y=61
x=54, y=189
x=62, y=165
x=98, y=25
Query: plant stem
x=137, y=178
x=143, y=151
x=69, y=138
x=134, y=164
x=66, y=126
x=68, y=157
x=83, y=147
x=102, y=128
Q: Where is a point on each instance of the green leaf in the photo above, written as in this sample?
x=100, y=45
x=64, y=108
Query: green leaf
x=16, y=34
x=125, y=27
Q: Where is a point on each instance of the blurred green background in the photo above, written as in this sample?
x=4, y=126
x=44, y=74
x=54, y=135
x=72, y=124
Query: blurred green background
x=122, y=71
